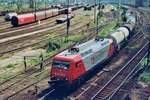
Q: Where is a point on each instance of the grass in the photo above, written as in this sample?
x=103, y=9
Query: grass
x=33, y=61
x=9, y=71
x=61, y=41
x=103, y=18
x=10, y=65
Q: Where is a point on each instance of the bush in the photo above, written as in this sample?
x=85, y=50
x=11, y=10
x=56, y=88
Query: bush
x=145, y=77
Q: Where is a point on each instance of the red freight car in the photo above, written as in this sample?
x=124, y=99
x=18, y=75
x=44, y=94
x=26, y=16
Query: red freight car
x=33, y=17
x=22, y=19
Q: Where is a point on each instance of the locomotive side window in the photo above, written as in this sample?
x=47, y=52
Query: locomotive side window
x=60, y=64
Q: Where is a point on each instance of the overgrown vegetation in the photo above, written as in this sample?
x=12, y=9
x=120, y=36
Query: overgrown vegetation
x=108, y=28
x=145, y=77
x=10, y=66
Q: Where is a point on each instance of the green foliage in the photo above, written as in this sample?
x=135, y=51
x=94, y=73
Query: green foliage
x=145, y=77
x=57, y=44
x=108, y=28
x=32, y=61
x=10, y=65
x=4, y=77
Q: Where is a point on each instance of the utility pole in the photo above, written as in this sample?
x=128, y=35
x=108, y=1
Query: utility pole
x=98, y=16
x=35, y=8
x=19, y=4
x=95, y=12
x=119, y=5
x=45, y=8
x=68, y=21
x=31, y=4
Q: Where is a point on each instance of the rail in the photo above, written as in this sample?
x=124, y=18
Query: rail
x=115, y=91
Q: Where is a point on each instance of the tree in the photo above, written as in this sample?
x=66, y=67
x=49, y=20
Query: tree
x=19, y=4
x=31, y=3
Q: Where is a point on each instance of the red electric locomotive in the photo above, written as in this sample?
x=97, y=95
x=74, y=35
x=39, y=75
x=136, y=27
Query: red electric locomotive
x=72, y=64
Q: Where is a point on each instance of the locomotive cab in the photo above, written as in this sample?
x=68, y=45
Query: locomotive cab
x=66, y=70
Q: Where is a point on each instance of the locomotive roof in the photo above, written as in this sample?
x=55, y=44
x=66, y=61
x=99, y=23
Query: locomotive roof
x=87, y=48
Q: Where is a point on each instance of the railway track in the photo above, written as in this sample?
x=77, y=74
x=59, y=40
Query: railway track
x=1, y=18
x=40, y=29
x=78, y=29
x=26, y=31
x=129, y=88
x=116, y=94
x=32, y=25
x=10, y=29
x=22, y=31
x=5, y=26
x=9, y=48
x=106, y=92
x=58, y=31
x=23, y=72
x=3, y=23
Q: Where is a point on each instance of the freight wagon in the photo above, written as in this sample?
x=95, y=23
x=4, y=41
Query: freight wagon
x=41, y=15
x=64, y=19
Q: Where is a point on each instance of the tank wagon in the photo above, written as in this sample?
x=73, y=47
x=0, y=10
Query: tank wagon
x=70, y=66
x=41, y=15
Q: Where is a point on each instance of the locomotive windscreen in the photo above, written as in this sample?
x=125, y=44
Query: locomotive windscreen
x=60, y=64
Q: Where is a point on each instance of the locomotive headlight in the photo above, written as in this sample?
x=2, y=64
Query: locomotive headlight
x=65, y=68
